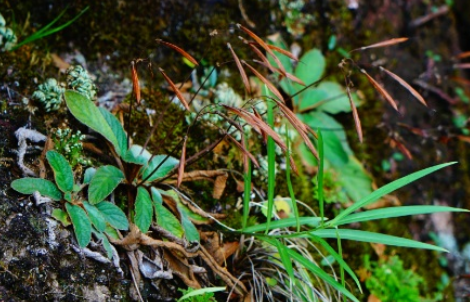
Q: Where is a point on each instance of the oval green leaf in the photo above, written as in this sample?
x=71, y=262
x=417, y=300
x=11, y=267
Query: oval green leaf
x=89, y=173
x=29, y=185
x=167, y=220
x=311, y=67
x=88, y=114
x=143, y=210
x=81, y=224
x=164, y=165
x=105, y=180
x=63, y=174
x=117, y=129
x=95, y=216
x=113, y=215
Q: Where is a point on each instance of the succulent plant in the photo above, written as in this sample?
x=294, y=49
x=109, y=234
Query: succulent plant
x=79, y=80
x=7, y=36
x=49, y=94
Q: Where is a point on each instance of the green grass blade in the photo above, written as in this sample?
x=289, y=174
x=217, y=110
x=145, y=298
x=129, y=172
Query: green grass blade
x=271, y=162
x=364, y=236
x=396, y=212
x=321, y=165
x=289, y=182
x=246, y=193
x=341, y=269
x=200, y=292
x=282, y=223
x=44, y=32
x=286, y=261
x=387, y=189
x=338, y=258
x=314, y=269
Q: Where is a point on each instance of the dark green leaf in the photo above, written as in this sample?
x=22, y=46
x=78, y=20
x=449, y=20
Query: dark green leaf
x=63, y=174
x=61, y=216
x=30, y=185
x=116, y=127
x=190, y=231
x=143, y=210
x=327, y=96
x=95, y=216
x=81, y=224
x=88, y=114
x=167, y=220
x=105, y=180
x=89, y=173
x=164, y=168
x=113, y=215
x=105, y=243
x=137, y=156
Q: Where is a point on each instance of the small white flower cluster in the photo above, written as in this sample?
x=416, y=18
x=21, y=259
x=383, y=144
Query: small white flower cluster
x=70, y=146
x=8, y=38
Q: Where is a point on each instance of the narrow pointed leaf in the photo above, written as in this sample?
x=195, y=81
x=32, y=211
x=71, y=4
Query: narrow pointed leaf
x=387, y=189
x=29, y=185
x=135, y=82
x=63, y=174
x=270, y=85
x=190, y=231
x=175, y=90
x=381, y=90
x=357, y=120
x=113, y=215
x=283, y=223
x=383, y=43
x=396, y=212
x=406, y=85
x=81, y=224
x=182, y=163
x=105, y=180
x=180, y=50
x=364, y=236
x=242, y=72
x=143, y=210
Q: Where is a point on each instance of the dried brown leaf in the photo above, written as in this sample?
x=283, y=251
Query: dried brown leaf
x=462, y=66
x=462, y=55
x=406, y=85
x=276, y=70
x=284, y=52
x=219, y=186
x=175, y=89
x=264, y=45
x=244, y=151
x=245, y=80
x=178, y=49
x=270, y=86
x=135, y=82
x=357, y=120
x=383, y=43
x=381, y=90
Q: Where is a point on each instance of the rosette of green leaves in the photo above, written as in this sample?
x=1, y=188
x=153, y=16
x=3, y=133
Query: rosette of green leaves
x=148, y=201
x=49, y=94
x=79, y=80
x=316, y=106
x=86, y=218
